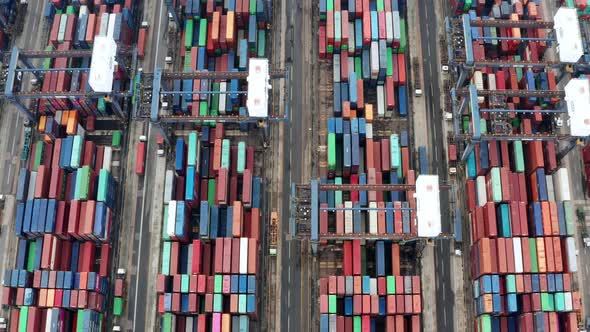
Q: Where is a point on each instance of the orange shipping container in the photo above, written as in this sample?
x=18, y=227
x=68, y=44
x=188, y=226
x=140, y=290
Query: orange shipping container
x=238, y=215
x=546, y=214
x=549, y=254
x=541, y=260
x=225, y=322
x=368, y=112
x=230, y=28
x=557, y=258
x=72, y=123
x=252, y=256
x=215, y=29
x=217, y=155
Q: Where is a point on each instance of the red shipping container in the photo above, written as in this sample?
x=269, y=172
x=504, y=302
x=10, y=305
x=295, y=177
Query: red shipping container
x=218, y=262
x=227, y=252
x=356, y=257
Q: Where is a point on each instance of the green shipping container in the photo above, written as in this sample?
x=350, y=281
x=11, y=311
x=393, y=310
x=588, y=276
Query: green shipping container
x=80, y=321
x=116, y=141
x=48, y=62
x=569, y=218
x=533, y=250
x=165, y=223
x=332, y=304
x=390, y=285
x=338, y=193
x=189, y=27
x=358, y=67
x=505, y=218
x=394, y=150
x=211, y=192
x=380, y=6
x=485, y=323
x=519, y=72
x=389, y=71
x=261, y=43
x=76, y=152
x=403, y=40
x=559, y=301
x=547, y=303
x=193, y=147
x=332, y=151
x=118, y=306
x=330, y=5
x=31, y=258
x=101, y=104
x=483, y=126
x=103, y=184
x=39, y=152
x=225, y=153
x=166, y=258
x=511, y=283
x=252, y=7
x=518, y=156
x=217, y=302
x=218, y=285
x=215, y=99
x=496, y=185
x=356, y=324
x=241, y=157
x=242, y=303
x=203, y=32
x=23, y=317
x=167, y=322
x=82, y=183
x=184, y=283
x=203, y=108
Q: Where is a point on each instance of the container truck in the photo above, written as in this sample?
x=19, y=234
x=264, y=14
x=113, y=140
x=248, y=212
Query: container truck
x=140, y=159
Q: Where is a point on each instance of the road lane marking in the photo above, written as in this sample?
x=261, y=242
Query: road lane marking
x=144, y=180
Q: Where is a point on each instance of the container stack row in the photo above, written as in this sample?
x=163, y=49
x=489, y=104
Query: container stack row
x=74, y=25
x=523, y=252
x=211, y=232
x=219, y=38
x=367, y=42
x=66, y=198
x=377, y=297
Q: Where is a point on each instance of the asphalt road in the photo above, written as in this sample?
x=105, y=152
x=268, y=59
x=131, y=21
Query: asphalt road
x=156, y=52
x=436, y=154
x=12, y=133
x=295, y=311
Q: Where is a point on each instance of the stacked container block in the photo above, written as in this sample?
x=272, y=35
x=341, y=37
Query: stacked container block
x=211, y=230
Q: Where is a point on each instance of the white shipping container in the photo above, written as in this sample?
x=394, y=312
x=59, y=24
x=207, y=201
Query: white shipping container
x=32, y=181
x=112, y=21
x=243, y=255
x=561, y=185
x=188, y=325
x=478, y=80
x=380, y=101
x=373, y=218
x=52, y=319
x=336, y=68
x=373, y=286
x=348, y=217
x=550, y=189
x=53, y=253
x=351, y=40
x=332, y=319
x=482, y=197
x=171, y=223
x=83, y=10
x=374, y=59
x=349, y=289
x=369, y=131
x=572, y=262
x=492, y=81
x=518, y=266
x=568, y=301
x=107, y=157
x=169, y=186
x=189, y=259
x=396, y=27
x=389, y=27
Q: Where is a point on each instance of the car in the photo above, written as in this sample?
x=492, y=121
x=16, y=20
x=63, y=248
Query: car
x=587, y=323
x=445, y=68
